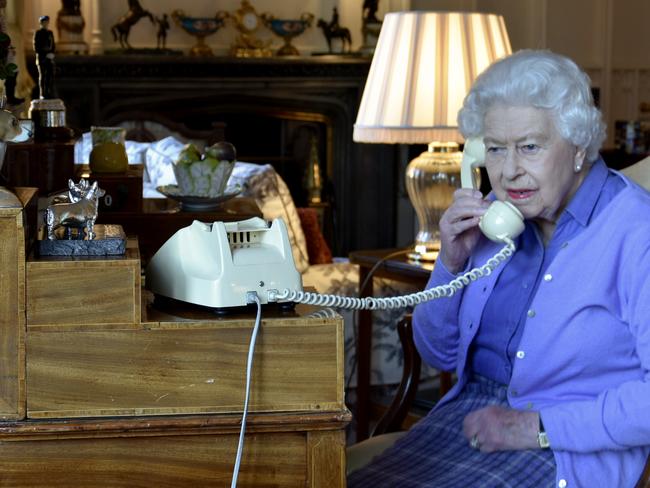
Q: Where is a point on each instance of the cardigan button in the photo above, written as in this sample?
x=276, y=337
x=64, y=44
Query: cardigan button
x=562, y=483
x=531, y=313
x=548, y=277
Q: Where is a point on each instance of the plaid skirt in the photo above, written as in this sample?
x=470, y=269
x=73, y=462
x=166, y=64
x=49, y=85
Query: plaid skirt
x=435, y=454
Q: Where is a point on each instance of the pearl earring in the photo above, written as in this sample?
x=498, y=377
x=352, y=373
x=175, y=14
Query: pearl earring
x=578, y=168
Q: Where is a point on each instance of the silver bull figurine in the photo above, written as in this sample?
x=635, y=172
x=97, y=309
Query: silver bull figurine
x=81, y=214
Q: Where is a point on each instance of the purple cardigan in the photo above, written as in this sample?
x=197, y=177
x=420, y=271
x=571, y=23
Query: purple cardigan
x=584, y=357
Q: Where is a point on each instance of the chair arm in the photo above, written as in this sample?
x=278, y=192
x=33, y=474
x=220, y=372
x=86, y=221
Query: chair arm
x=399, y=408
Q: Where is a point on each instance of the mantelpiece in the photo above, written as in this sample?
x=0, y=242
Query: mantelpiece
x=268, y=106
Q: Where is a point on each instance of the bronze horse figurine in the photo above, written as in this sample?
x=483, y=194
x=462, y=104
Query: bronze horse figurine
x=342, y=33
x=123, y=26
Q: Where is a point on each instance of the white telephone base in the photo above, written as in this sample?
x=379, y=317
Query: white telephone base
x=215, y=265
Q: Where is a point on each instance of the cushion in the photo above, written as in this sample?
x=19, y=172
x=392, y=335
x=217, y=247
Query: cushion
x=360, y=454
x=639, y=172
x=317, y=249
x=159, y=159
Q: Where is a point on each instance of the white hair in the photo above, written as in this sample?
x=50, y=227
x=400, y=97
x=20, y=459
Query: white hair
x=544, y=80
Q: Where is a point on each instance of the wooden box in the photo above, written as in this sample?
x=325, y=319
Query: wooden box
x=123, y=190
x=12, y=301
x=84, y=291
x=186, y=363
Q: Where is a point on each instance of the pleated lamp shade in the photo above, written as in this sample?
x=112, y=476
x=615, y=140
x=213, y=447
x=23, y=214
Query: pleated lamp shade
x=422, y=68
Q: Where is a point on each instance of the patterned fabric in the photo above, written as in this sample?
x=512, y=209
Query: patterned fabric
x=317, y=249
x=435, y=453
x=272, y=196
x=342, y=278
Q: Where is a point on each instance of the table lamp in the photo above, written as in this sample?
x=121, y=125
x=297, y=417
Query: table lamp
x=422, y=68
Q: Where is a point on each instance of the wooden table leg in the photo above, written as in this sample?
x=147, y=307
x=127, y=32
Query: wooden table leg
x=364, y=348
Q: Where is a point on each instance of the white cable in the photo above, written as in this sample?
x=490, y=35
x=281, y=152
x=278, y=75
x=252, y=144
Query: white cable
x=249, y=368
x=371, y=303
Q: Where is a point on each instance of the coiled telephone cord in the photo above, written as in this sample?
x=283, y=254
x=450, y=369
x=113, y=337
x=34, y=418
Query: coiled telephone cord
x=372, y=303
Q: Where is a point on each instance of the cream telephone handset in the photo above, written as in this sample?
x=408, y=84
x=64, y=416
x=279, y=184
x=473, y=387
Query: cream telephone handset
x=502, y=220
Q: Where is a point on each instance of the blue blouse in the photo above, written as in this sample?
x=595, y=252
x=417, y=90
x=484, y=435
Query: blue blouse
x=496, y=343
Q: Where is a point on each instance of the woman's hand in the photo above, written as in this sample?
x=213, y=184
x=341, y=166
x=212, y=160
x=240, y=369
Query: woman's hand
x=459, y=230
x=502, y=429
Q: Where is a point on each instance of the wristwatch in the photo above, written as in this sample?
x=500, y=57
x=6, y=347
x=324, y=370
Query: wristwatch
x=542, y=438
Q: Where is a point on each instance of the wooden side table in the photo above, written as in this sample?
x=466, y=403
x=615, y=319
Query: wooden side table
x=397, y=268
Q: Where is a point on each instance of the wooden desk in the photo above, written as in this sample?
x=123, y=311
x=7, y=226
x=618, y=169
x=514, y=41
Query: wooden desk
x=398, y=268
x=102, y=388
x=160, y=218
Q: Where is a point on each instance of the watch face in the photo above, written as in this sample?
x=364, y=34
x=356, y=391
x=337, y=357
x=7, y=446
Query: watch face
x=249, y=21
x=542, y=440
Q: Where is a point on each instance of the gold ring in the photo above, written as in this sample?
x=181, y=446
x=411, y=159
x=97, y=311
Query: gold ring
x=474, y=443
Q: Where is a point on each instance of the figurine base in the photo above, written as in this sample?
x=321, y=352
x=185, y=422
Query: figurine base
x=48, y=116
x=72, y=48
x=110, y=240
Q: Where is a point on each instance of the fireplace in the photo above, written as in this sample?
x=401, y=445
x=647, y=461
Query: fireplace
x=273, y=110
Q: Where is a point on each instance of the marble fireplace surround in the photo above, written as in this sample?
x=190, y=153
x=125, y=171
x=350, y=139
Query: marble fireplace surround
x=193, y=94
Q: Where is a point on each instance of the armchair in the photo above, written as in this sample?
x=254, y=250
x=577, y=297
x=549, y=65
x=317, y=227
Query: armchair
x=390, y=427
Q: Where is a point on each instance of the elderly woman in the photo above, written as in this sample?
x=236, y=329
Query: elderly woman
x=552, y=350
